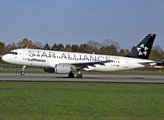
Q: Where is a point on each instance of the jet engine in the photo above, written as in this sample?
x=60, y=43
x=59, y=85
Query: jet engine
x=60, y=69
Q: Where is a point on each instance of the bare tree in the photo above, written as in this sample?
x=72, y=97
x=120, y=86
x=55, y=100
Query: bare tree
x=158, y=52
x=111, y=42
x=157, y=49
x=38, y=44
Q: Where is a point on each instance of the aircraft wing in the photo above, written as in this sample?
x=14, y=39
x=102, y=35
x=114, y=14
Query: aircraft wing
x=91, y=63
x=85, y=64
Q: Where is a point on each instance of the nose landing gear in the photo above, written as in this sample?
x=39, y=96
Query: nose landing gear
x=23, y=69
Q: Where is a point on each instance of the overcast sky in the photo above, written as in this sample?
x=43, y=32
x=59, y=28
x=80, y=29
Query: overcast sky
x=78, y=21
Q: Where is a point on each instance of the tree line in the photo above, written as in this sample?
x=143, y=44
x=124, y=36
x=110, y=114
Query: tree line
x=106, y=47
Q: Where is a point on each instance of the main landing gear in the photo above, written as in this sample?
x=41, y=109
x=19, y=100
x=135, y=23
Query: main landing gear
x=79, y=75
x=23, y=68
x=71, y=75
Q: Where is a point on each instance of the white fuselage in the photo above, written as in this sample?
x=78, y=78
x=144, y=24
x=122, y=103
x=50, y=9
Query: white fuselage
x=48, y=58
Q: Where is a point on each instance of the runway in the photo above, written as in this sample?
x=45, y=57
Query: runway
x=9, y=77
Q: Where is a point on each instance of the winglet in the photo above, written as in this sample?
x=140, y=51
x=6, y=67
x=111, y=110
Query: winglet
x=143, y=48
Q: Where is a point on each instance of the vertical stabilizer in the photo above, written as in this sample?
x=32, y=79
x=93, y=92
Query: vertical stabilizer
x=142, y=50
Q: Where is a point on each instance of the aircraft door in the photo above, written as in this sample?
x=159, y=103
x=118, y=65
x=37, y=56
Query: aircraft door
x=25, y=54
x=126, y=63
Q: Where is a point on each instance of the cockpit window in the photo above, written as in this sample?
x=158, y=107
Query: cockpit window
x=14, y=53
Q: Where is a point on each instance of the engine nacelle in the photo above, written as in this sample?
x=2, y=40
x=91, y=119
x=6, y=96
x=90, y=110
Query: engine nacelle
x=49, y=69
x=62, y=69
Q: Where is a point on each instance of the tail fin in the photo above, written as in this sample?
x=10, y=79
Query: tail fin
x=142, y=50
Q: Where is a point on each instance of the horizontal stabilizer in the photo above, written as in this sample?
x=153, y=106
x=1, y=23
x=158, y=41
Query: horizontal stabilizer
x=151, y=63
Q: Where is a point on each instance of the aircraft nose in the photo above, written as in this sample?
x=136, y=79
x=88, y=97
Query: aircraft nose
x=5, y=58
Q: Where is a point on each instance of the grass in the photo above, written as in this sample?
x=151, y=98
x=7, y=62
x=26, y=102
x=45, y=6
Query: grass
x=2, y=62
x=81, y=101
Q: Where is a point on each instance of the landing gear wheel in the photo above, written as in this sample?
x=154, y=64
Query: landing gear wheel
x=79, y=76
x=71, y=75
x=23, y=69
x=22, y=73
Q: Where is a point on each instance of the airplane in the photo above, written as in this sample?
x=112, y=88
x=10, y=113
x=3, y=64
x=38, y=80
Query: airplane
x=68, y=62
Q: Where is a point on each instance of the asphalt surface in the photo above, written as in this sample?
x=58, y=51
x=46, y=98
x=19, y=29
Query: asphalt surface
x=9, y=77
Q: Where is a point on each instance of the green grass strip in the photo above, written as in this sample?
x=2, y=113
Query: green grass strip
x=82, y=101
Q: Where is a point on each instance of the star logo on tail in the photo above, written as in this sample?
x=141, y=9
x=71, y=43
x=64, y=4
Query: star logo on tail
x=142, y=50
